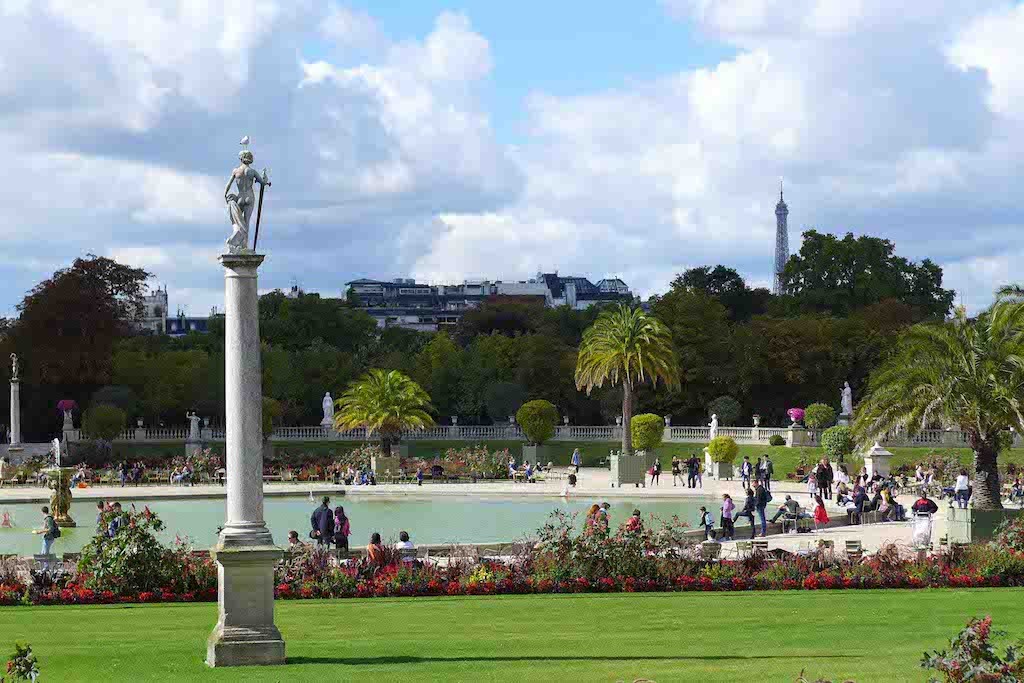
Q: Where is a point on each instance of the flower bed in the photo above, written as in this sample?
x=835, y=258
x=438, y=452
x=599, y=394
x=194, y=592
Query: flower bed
x=636, y=558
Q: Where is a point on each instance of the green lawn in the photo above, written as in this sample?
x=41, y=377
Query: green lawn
x=764, y=636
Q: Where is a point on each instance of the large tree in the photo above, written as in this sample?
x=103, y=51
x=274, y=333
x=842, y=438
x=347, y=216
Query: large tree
x=726, y=285
x=626, y=345
x=962, y=373
x=837, y=276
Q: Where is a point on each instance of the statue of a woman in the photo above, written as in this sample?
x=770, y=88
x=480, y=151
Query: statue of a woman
x=14, y=366
x=328, y=406
x=713, y=427
x=847, y=399
x=241, y=205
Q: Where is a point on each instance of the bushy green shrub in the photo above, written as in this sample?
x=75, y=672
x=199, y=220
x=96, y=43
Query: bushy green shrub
x=776, y=440
x=723, y=449
x=819, y=416
x=538, y=420
x=726, y=408
x=648, y=430
x=837, y=442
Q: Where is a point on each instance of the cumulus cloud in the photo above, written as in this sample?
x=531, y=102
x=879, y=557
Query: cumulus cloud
x=385, y=162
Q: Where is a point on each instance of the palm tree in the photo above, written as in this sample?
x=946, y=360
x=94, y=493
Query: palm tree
x=626, y=345
x=964, y=373
x=384, y=401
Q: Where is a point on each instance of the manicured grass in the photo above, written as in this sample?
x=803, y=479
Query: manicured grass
x=765, y=636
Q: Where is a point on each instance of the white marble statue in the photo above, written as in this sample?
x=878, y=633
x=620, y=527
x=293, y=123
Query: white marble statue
x=242, y=203
x=714, y=427
x=14, y=366
x=56, y=452
x=847, y=399
x=328, y=405
x=193, y=426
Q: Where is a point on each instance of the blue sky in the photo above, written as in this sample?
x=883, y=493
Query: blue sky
x=445, y=141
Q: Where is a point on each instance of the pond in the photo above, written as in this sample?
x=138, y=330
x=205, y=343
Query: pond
x=466, y=519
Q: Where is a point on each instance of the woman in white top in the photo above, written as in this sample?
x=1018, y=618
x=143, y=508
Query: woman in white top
x=962, y=490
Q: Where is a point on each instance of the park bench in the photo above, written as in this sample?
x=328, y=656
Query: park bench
x=854, y=550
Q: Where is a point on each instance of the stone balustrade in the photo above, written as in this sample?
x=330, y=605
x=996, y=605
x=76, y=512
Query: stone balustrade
x=932, y=438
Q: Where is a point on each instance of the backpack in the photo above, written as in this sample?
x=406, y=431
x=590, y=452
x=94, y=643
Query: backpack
x=54, y=529
x=767, y=496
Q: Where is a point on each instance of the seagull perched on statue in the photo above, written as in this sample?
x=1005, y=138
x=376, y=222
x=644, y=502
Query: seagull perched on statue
x=244, y=142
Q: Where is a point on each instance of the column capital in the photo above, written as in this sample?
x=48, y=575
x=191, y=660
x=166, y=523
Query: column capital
x=242, y=265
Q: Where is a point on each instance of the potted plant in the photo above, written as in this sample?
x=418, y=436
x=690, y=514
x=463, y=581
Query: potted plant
x=796, y=415
x=537, y=420
x=723, y=451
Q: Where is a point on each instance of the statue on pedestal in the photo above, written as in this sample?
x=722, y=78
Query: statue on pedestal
x=846, y=399
x=193, y=426
x=241, y=203
x=328, y=406
x=714, y=427
x=59, y=479
x=14, y=367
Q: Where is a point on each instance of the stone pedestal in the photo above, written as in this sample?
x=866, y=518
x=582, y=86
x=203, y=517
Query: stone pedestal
x=796, y=436
x=193, y=448
x=15, y=412
x=844, y=420
x=245, y=552
x=877, y=461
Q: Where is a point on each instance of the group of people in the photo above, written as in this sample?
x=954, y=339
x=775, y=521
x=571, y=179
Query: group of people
x=596, y=523
x=759, y=473
x=756, y=502
x=332, y=527
x=693, y=465
x=351, y=476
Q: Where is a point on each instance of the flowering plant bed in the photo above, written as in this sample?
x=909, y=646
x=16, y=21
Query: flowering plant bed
x=638, y=557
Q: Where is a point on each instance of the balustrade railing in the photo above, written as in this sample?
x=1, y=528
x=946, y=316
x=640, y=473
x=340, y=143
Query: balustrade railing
x=512, y=432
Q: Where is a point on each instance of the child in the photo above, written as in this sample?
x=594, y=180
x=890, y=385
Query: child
x=708, y=522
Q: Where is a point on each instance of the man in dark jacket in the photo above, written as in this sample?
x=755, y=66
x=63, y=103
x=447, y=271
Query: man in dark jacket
x=761, y=502
x=748, y=512
x=322, y=521
x=925, y=504
x=860, y=499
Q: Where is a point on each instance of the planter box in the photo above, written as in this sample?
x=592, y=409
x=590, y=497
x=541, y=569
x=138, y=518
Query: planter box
x=535, y=454
x=631, y=469
x=722, y=470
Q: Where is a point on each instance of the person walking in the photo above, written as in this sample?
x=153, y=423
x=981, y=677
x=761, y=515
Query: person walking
x=342, y=528
x=830, y=476
x=962, y=490
x=748, y=512
x=746, y=472
x=50, y=532
x=656, y=473
x=821, y=477
x=322, y=521
x=707, y=521
x=691, y=472
x=769, y=470
x=576, y=459
x=761, y=500
x=728, y=529
x=677, y=469
x=820, y=514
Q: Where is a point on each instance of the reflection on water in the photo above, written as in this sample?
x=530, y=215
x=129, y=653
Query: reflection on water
x=427, y=519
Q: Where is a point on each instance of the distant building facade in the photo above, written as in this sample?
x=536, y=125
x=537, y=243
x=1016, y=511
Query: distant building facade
x=405, y=303
x=155, y=318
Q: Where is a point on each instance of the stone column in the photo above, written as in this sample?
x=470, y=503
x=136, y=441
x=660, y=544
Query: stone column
x=15, y=412
x=245, y=552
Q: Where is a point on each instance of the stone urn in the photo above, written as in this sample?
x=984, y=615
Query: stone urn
x=59, y=479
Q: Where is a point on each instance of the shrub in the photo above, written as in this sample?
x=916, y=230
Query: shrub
x=648, y=430
x=22, y=665
x=538, y=420
x=726, y=408
x=723, y=449
x=1010, y=534
x=972, y=657
x=776, y=440
x=272, y=412
x=837, y=442
x=104, y=422
x=819, y=416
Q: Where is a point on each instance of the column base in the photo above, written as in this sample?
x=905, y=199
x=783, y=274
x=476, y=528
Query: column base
x=252, y=646
x=245, y=634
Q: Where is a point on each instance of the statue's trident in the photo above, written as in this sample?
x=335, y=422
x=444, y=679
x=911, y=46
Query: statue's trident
x=259, y=206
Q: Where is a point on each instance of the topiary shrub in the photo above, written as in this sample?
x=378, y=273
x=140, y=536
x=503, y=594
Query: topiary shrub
x=776, y=440
x=726, y=408
x=819, y=416
x=538, y=420
x=104, y=422
x=648, y=430
x=723, y=449
x=837, y=442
